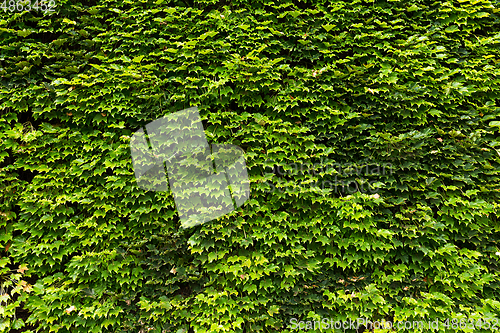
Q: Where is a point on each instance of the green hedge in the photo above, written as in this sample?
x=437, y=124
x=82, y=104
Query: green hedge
x=315, y=93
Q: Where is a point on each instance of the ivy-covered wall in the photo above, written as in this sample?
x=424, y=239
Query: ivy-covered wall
x=371, y=137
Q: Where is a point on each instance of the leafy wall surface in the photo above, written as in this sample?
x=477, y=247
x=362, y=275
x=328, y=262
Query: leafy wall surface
x=398, y=99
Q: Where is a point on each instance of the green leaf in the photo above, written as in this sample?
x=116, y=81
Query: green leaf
x=24, y=33
x=328, y=27
x=65, y=20
x=138, y=58
x=413, y=8
x=273, y=309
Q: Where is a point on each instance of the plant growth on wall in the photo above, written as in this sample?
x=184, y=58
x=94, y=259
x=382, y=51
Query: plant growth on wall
x=371, y=138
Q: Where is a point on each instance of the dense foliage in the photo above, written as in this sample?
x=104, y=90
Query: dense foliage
x=400, y=97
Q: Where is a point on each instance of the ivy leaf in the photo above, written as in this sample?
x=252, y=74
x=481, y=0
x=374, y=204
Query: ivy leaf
x=328, y=27
x=138, y=58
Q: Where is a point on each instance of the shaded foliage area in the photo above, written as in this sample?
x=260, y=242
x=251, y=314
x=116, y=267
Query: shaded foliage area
x=413, y=84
